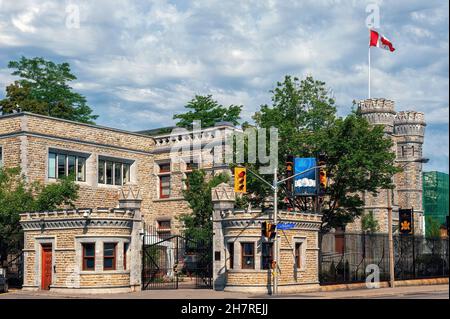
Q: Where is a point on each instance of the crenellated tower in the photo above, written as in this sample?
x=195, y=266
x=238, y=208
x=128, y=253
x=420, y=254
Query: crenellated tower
x=409, y=129
x=406, y=129
x=378, y=111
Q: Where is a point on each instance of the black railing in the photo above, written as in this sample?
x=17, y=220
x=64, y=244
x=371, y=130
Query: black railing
x=172, y=261
x=344, y=258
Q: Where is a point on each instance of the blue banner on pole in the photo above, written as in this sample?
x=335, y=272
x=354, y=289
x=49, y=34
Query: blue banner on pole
x=305, y=184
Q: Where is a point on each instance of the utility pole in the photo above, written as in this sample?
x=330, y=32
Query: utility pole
x=391, y=241
x=275, y=221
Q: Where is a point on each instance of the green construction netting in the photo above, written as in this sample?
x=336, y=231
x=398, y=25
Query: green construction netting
x=435, y=195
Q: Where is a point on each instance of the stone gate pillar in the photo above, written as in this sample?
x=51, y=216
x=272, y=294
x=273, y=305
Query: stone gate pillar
x=131, y=199
x=223, y=198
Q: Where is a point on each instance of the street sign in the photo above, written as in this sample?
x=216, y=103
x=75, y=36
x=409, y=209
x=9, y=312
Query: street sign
x=405, y=221
x=284, y=226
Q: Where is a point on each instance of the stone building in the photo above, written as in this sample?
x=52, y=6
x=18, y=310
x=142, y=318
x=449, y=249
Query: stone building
x=103, y=160
x=84, y=250
x=406, y=129
x=242, y=256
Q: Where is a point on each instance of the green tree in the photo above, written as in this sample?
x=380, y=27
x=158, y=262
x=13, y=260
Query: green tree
x=209, y=111
x=198, y=223
x=359, y=157
x=44, y=89
x=17, y=196
x=369, y=223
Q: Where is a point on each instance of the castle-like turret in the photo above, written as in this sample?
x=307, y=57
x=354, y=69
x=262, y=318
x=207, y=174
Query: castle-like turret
x=378, y=111
x=409, y=129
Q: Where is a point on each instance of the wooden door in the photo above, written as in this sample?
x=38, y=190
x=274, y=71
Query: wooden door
x=46, y=279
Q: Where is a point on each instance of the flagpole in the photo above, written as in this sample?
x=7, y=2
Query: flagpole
x=369, y=71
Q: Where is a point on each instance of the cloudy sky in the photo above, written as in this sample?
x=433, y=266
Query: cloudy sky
x=139, y=62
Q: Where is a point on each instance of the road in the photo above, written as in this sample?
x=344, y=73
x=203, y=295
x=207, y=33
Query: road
x=411, y=292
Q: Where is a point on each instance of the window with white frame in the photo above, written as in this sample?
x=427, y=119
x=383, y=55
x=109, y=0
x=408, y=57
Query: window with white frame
x=113, y=172
x=62, y=164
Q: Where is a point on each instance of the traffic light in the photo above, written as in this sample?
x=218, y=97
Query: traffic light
x=323, y=179
x=268, y=230
x=289, y=171
x=240, y=180
x=271, y=231
x=264, y=229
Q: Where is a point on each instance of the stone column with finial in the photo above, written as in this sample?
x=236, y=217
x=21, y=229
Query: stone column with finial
x=130, y=198
x=223, y=198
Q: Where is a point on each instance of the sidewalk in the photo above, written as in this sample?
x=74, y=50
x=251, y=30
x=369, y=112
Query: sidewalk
x=440, y=291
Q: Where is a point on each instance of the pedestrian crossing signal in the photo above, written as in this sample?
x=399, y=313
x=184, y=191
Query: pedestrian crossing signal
x=240, y=180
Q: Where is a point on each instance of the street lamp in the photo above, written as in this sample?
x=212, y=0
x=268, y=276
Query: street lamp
x=390, y=230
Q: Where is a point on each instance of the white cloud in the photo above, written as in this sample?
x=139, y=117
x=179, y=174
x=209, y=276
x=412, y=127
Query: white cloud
x=145, y=60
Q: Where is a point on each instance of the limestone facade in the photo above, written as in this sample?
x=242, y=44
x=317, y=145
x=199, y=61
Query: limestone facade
x=406, y=129
x=28, y=140
x=236, y=231
x=110, y=238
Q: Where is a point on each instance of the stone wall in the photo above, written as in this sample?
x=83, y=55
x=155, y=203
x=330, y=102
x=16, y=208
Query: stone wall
x=66, y=231
x=234, y=227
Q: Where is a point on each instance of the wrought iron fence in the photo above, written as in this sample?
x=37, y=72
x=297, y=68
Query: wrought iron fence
x=11, y=258
x=172, y=261
x=345, y=256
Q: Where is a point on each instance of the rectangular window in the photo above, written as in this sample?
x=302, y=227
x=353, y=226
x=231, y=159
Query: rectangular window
x=1, y=157
x=126, y=173
x=109, y=256
x=81, y=169
x=61, y=165
x=164, y=186
x=88, y=256
x=164, y=224
x=248, y=255
x=164, y=168
x=71, y=162
x=191, y=166
x=52, y=165
x=266, y=254
x=117, y=174
x=113, y=172
x=101, y=172
x=109, y=173
x=231, y=253
x=125, y=253
x=298, y=255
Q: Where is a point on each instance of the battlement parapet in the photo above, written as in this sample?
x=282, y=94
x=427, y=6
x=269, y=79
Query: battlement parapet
x=376, y=105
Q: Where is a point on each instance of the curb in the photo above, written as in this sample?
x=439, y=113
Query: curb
x=385, y=284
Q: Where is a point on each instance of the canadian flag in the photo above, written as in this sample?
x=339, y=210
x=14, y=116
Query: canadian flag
x=380, y=41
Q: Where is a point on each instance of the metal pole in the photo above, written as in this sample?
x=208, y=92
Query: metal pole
x=275, y=221
x=391, y=242
x=413, y=242
x=369, y=73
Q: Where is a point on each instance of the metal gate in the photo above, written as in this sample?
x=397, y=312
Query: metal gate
x=174, y=261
